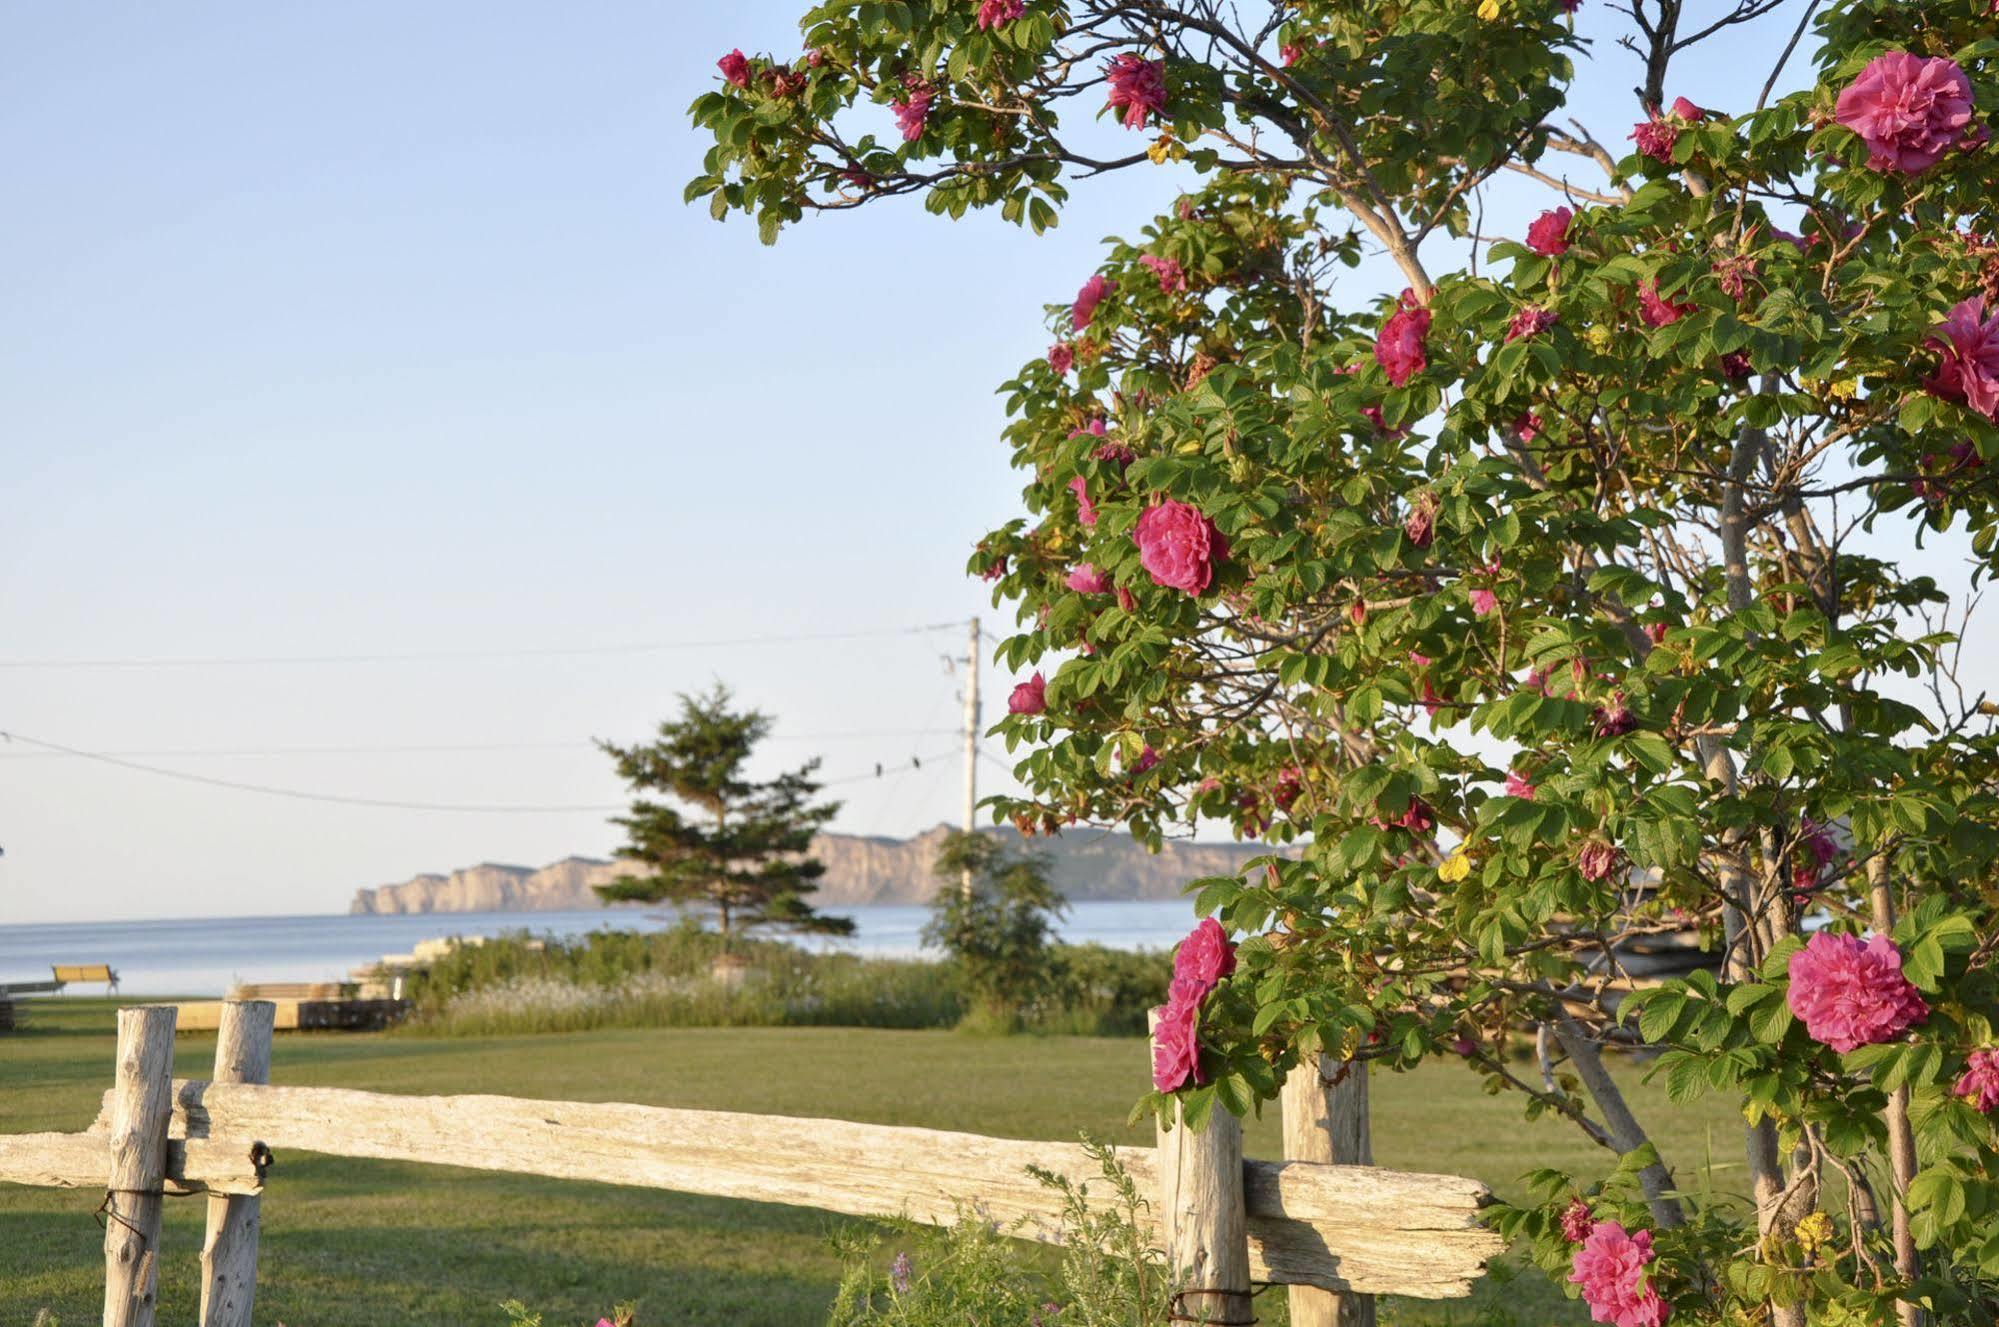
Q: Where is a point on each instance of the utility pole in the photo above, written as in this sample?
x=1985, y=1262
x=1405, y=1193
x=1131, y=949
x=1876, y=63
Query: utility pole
x=971, y=741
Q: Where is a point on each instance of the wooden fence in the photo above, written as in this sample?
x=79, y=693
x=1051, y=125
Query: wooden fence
x=1336, y=1233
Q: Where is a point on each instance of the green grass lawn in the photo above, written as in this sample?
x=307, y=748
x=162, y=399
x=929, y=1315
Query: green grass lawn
x=364, y=1243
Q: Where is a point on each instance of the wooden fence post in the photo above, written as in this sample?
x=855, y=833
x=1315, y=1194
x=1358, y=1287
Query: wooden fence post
x=141, y=1107
x=1201, y=1206
x=1324, y=1102
x=229, y=1250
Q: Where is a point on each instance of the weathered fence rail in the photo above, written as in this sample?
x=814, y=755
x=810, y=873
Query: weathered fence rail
x=1350, y=1229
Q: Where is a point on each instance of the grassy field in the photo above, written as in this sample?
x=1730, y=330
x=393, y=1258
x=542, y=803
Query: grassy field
x=362, y=1244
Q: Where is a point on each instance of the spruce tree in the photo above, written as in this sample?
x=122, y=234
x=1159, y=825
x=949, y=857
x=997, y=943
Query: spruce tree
x=730, y=844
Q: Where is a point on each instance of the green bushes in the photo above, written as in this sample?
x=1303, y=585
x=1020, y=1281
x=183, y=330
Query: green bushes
x=519, y=983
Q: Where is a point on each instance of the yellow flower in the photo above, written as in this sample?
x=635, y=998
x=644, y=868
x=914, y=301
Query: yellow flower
x=1164, y=147
x=1599, y=337
x=1456, y=867
x=1488, y=10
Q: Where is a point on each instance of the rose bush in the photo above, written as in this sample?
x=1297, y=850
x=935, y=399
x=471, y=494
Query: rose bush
x=1546, y=605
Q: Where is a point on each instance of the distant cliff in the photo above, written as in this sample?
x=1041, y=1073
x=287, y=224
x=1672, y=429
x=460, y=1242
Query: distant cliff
x=1086, y=865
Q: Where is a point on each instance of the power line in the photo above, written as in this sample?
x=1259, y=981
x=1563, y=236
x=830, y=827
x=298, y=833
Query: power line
x=388, y=803
x=572, y=744
x=458, y=656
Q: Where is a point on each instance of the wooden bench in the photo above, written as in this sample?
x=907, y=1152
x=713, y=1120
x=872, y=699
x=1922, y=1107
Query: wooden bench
x=69, y=972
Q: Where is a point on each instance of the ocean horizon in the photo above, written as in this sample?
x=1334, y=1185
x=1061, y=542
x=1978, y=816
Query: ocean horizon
x=204, y=956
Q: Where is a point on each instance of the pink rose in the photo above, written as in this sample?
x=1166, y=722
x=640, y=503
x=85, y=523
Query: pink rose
x=1137, y=87
x=1290, y=54
x=1577, y=1221
x=1484, y=602
x=1420, y=525
x=1613, y=718
x=912, y=110
x=1087, y=299
x=1548, y=235
x=1176, y=1043
x=1980, y=1082
x=1610, y=1268
x=735, y=69
x=1968, y=372
x=1086, y=511
x=1030, y=697
x=1528, y=426
x=1531, y=320
x=999, y=13
x=1125, y=599
x=1908, y=110
x=1178, y=546
x=1596, y=860
x=1655, y=310
x=1686, y=110
x=1061, y=358
x=1171, y=277
x=1205, y=956
x=1399, y=348
x=1850, y=992
x=1655, y=138
x=1086, y=579
x=1517, y=785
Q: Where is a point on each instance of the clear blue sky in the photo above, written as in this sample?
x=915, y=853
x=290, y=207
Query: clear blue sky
x=381, y=328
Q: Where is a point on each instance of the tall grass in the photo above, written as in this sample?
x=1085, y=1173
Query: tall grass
x=518, y=983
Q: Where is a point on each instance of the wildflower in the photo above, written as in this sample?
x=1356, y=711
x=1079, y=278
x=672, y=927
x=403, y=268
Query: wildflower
x=1092, y=294
x=1178, y=546
x=1030, y=697
x=1979, y=1083
x=1399, y=348
x=1908, y=110
x=1610, y=1268
x=1168, y=270
x=1531, y=320
x=1456, y=867
x=1968, y=372
x=898, y=1273
x=1577, y=1221
x=1814, y=1231
x=1206, y=955
x=1086, y=511
x=1086, y=579
x=1850, y=992
x=1548, y=234
x=999, y=13
x=1137, y=86
x=1596, y=860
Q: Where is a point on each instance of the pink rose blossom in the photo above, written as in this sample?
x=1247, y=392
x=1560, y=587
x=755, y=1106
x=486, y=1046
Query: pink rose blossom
x=1205, y=956
x=1292, y=54
x=1548, y=235
x=1969, y=370
x=1086, y=579
x=994, y=571
x=1147, y=758
x=1596, y=860
x=1577, y=1222
x=1125, y=599
x=1092, y=294
x=1655, y=310
x=1171, y=277
x=1531, y=320
x=1420, y=525
x=1030, y=697
x=912, y=111
x=1484, y=602
x=1816, y=850
x=1517, y=785
x=1908, y=110
x=1399, y=348
x=1178, y=546
x=1086, y=511
x=1656, y=632
x=1979, y=1083
x=1610, y=1267
x=1733, y=274
x=999, y=13
x=1655, y=138
x=1137, y=87
x=1289, y=787
x=1061, y=358
x=1849, y=992
x=735, y=69
x=1735, y=365
x=1176, y=1044
x=1613, y=718
x=1528, y=426
x=1687, y=111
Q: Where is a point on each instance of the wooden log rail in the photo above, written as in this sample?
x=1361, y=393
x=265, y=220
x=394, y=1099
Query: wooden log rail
x=1341, y=1228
